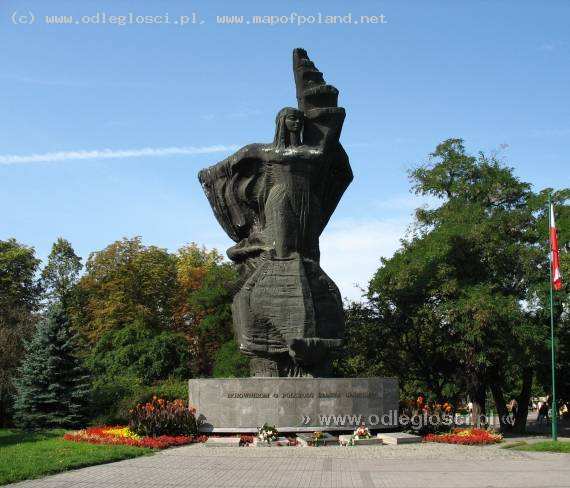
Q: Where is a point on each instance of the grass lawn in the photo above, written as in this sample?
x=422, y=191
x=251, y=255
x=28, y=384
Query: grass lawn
x=545, y=446
x=32, y=455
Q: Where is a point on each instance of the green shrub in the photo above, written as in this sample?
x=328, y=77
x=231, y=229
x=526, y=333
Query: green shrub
x=169, y=389
x=109, y=395
x=141, y=352
x=162, y=417
x=230, y=362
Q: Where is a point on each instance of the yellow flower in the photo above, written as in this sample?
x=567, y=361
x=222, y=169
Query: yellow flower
x=122, y=432
x=464, y=432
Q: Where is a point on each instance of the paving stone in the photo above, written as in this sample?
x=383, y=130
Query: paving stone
x=402, y=466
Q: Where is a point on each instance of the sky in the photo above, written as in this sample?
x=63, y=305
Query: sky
x=105, y=126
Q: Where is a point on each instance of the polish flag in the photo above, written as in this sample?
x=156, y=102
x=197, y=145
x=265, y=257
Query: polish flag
x=554, y=256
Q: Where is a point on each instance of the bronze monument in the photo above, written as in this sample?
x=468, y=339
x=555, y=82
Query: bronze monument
x=274, y=200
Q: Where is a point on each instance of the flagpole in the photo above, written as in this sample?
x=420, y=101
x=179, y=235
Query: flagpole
x=552, y=349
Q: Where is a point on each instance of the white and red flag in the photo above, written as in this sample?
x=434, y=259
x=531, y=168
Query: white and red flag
x=554, y=255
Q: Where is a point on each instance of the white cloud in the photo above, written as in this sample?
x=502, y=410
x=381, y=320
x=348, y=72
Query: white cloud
x=53, y=157
x=351, y=250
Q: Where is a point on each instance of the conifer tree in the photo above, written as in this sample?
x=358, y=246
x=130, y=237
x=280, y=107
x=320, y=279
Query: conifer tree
x=52, y=387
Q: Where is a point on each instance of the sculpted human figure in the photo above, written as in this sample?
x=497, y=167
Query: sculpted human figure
x=274, y=201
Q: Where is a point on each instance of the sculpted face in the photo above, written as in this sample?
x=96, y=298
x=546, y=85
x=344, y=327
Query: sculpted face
x=293, y=122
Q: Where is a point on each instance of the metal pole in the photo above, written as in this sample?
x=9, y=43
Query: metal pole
x=552, y=347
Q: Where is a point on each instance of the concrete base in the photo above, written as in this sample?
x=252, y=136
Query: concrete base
x=242, y=405
x=345, y=439
x=306, y=440
x=280, y=442
x=399, y=438
x=222, y=442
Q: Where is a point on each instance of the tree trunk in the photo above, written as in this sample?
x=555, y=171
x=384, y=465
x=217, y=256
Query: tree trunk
x=477, y=396
x=523, y=400
x=501, y=405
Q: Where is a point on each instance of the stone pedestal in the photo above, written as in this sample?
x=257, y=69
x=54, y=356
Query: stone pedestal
x=399, y=438
x=294, y=404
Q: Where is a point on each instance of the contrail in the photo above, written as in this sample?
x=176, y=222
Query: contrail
x=53, y=157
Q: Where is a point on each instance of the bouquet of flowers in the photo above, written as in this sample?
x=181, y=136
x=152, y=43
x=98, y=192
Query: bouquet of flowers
x=267, y=433
x=318, y=438
x=245, y=440
x=361, y=432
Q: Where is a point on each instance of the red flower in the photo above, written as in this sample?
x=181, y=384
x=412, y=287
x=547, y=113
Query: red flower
x=465, y=437
x=97, y=435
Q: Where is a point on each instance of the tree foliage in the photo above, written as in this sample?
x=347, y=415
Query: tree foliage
x=208, y=316
x=140, y=352
x=124, y=283
x=147, y=315
x=19, y=288
x=464, y=298
x=230, y=362
x=61, y=272
x=20, y=295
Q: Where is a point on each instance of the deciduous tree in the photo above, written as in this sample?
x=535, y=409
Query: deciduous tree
x=464, y=298
x=19, y=300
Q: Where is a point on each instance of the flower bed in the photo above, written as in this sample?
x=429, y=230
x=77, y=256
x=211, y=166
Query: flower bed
x=466, y=437
x=120, y=435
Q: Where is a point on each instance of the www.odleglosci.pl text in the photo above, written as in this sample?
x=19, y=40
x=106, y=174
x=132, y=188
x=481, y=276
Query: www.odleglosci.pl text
x=294, y=18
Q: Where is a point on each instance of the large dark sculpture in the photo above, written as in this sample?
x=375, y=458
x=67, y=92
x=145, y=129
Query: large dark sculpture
x=274, y=200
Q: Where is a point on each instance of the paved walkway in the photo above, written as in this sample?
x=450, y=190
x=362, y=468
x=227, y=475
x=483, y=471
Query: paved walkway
x=442, y=466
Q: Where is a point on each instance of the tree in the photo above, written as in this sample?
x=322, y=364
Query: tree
x=61, y=272
x=203, y=313
x=492, y=229
x=124, y=283
x=187, y=292
x=19, y=289
x=19, y=301
x=147, y=316
x=464, y=297
x=52, y=388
